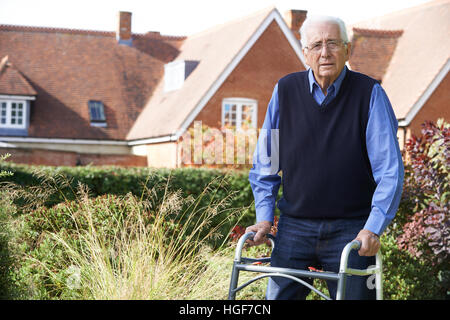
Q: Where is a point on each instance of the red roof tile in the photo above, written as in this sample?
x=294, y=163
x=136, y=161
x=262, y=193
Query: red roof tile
x=378, y=33
x=372, y=50
x=67, y=68
x=12, y=82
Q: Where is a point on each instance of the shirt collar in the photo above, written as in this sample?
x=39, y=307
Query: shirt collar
x=336, y=84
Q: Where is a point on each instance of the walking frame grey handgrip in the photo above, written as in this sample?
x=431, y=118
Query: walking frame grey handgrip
x=340, y=277
x=245, y=237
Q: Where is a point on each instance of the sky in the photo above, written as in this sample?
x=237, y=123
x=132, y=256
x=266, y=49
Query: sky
x=177, y=17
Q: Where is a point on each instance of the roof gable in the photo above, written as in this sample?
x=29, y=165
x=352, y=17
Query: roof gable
x=218, y=50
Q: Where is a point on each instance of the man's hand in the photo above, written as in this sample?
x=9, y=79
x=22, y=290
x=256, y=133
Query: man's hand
x=370, y=243
x=261, y=228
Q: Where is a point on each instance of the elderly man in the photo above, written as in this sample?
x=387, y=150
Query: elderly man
x=332, y=133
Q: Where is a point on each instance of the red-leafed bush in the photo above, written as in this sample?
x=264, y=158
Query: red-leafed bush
x=238, y=231
x=426, y=232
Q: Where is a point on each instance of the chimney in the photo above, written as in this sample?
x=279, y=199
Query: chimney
x=294, y=19
x=123, y=33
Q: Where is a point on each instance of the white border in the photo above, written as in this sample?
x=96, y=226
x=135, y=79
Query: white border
x=161, y=139
x=64, y=141
x=10, y=97
x=425, y=96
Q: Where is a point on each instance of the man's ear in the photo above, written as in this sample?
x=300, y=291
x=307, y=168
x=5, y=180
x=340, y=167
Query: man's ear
x=349, y=51
x=306, y=56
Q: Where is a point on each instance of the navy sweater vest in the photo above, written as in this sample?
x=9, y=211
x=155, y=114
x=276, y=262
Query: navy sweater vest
x=326, y=171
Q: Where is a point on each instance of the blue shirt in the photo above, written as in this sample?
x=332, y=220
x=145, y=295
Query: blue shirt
x=382, y=148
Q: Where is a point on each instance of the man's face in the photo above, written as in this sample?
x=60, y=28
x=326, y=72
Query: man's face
x=328, y=62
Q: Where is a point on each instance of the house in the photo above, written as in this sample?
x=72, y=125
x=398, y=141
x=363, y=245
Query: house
x=124, y=98
x=128, y=99
x=408, y=51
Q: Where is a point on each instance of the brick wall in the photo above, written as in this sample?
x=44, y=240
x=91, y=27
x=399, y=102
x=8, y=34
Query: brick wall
x=437, y=106
x=65, y=158
x=162, y=155
x=270, y=58
x=124, y=26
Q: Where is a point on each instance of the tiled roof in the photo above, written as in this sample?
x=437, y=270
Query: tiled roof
x=214, y=48
x=421, y=52
x=12, y=82
x=150, y=34
x=378, y=33
x=67, y=68
x=16, y=28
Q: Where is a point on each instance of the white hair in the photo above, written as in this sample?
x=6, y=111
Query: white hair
x=317, y=19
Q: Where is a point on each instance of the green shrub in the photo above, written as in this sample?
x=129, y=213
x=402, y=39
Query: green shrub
x=111, y=241
x=7, y=288
x=405, y=276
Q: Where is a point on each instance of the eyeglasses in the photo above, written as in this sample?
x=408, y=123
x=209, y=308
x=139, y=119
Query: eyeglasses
x=332, y=45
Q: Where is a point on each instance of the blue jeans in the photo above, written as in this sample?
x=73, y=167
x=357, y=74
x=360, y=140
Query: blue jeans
x=303, y=243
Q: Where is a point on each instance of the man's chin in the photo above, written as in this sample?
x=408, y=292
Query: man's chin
x=331, y=73
x=328, y=68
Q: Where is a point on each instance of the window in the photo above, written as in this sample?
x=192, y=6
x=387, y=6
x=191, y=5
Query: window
x=239, y=113
x=173, y=75
x=97, y=113
x=13, y=114
x=176, y=72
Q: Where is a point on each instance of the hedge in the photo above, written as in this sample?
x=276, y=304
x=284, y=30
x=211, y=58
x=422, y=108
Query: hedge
x=120, y=181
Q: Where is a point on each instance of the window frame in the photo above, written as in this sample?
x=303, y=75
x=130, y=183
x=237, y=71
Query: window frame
x=9, y=103
x=97, y=122
x=240, y=102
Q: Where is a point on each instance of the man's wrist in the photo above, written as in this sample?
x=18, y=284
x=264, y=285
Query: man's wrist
x=373, y=234
x=270, y=223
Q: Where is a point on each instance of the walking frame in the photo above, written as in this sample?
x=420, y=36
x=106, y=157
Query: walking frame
x=248, y=264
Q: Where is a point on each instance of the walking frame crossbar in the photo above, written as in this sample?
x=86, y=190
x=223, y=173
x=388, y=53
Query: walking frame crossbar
x=248, y=264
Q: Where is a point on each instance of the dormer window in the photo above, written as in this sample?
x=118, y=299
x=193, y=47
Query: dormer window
x=15, y=100
x=13, y=114
x=176, y=72
x=97, y=113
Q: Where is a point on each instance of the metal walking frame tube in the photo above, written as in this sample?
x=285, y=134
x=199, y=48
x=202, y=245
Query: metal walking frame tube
x=345, y=271
x=379, y=276
x=237, y=260
x=283, y=275
x=245, y=264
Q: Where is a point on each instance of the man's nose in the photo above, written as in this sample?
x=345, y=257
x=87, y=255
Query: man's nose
x=324, y=52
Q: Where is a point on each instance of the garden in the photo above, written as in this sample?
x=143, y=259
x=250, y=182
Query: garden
x=142, y=233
